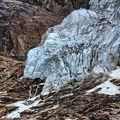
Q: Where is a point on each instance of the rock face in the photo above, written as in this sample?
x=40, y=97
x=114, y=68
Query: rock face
x=12, y=88
x=21, y=27
x=61, y=7
x=84, y=48
x=87, y=42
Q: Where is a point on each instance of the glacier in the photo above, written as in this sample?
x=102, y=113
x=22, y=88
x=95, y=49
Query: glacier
x=86, y=42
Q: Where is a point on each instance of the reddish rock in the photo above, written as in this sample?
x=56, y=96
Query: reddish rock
x=21, y=27
x=61, y=7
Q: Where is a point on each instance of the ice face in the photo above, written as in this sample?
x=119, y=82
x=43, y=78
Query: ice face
x=86, y=42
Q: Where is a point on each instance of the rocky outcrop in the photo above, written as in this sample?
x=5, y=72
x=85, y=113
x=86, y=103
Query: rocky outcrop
x=94, y=46
x=61, y=7
x=86, y=43
x=12, y=88
x=71, y=102
x=21, y=27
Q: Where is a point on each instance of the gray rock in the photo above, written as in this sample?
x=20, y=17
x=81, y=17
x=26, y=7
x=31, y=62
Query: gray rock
x=86, y=42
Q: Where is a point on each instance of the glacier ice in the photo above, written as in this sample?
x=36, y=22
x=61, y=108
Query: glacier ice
x=86, y=42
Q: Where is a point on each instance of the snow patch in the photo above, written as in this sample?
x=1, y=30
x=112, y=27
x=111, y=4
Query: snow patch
x=107, y=88
x=115, y=74
x=26, y=105
x=66, y=95
x=22, y=106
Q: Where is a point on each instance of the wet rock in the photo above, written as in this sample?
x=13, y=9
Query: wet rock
x=72, y=104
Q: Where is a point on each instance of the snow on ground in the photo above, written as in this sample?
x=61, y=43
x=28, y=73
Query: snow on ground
x=26, y=105
x=66, y=95
x=29, y=103
x=71, y=119
x=22, y=106
x=108, y=87
x=115, y=73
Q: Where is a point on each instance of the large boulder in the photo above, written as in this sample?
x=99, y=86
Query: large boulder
x=86, y=42
x=21, y=27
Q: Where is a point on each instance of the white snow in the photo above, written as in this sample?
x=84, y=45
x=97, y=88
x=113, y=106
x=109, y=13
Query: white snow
x=26, y=105
x=22, y=106
x=71, y=119
x=115, y=74
x=67, y=95
x=107, y=87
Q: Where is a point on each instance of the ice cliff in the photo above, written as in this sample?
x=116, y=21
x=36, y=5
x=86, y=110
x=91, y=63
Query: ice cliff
x=86, y=42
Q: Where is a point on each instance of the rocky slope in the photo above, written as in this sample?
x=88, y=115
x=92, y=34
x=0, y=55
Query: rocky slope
x=86, y=43
x=90, y=35
x=73, y=102
x=21, y=27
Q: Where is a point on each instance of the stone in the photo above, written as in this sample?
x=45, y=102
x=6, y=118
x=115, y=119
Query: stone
x=85, y=43
x=71, y=101
x=21, y=27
